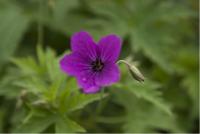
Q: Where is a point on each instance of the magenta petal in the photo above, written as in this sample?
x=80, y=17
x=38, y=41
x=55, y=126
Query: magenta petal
x=87, y=81
x=83, y=43
x=110, y=47
x=93, y=65
x=74, y=63
x=109, y=75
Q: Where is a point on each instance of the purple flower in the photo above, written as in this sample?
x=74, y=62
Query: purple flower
x=93, y=64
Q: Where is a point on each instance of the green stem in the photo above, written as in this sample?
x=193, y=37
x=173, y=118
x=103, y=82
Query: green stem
x=123, y=61
x=40, y=27
x=100, y=104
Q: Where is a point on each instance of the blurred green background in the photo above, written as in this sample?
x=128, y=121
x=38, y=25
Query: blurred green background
x=161, y=36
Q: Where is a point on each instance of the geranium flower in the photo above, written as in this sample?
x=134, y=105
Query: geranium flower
x=93, y=64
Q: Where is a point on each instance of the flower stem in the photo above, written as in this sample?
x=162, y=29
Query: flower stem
x=123, y=61
x=100, y=104
x=40, y=27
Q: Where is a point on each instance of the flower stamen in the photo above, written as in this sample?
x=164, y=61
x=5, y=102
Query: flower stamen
x=97, y=65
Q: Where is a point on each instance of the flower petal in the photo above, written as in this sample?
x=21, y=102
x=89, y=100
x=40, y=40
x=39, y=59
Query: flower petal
x=87, y=81
x=74, y=63
x=83, y=43
x=110, y=47
x=109, y=75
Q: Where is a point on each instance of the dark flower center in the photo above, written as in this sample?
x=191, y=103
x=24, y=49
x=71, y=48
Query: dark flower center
x=97, y=65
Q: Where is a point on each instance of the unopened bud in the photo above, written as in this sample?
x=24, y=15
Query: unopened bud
x=134, y=71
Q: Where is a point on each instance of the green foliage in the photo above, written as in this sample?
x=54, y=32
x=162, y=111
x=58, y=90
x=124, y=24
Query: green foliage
x=35, y=122
x=149, y=92
x=145, y=22
x=50, y=90
x=137, y=119
x=160, y=35
x=64, y=125
x=11, y=33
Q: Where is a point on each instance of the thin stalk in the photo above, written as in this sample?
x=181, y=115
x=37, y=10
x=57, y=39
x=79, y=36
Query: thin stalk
x=100, y=104
x=40, y=26
x=123, y=61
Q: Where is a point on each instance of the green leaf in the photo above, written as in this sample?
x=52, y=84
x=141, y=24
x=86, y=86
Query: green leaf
x=71, y=99
x=38, y=76
x=52, y=63
x=13, y=24
x=41, y=55
x=191, y=83
x=152, y=31
x=65, y=125
x=49, y=85
x=28, y=66
x=148, y=91
x=60, y=10
x=152, y=48
x=80, y=100
x=7, y=86
x=60, y=15
x=186, y=64
x=142, y=116
x=52, y=92
x=36, y=122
